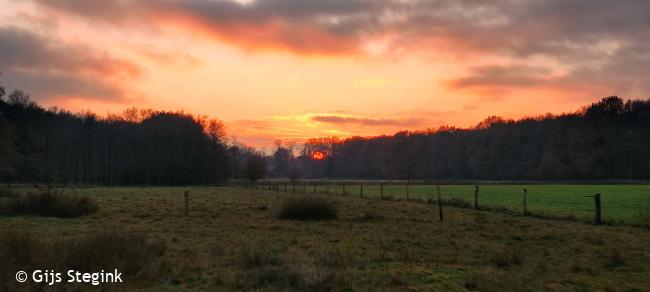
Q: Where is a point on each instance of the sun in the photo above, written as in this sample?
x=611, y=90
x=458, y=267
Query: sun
x=318, y=155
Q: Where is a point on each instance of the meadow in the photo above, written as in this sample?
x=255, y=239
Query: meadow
x=621, y=204
x=233, y=239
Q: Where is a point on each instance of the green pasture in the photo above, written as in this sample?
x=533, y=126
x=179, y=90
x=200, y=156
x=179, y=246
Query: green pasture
x=620, y=203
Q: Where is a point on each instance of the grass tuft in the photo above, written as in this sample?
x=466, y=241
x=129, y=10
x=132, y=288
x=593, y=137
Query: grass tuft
x=308, y=208
x=48, y=205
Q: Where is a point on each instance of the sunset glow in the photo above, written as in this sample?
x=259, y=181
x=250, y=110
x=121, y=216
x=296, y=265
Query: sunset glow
x=291, y=70
x=318, y=155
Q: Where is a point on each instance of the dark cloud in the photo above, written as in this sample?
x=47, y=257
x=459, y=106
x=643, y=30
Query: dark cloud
x=510, y=26
x=48, y=68
x=502, y=76
x=333, y=119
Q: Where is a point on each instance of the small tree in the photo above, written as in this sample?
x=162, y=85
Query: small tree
x=255, y=167
x=2, y=89
x=20, y=98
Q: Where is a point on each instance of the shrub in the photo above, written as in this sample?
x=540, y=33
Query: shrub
x=49, y=205
x=308, y=208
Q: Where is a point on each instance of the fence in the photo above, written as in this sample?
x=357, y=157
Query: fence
x=627, y=204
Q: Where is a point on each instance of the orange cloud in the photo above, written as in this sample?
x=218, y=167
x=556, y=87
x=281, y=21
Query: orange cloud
x=273, y=34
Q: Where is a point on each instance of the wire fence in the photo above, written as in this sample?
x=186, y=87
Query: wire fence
x=611, y=204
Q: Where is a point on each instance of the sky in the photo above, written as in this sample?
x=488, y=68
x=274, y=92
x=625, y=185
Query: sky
x=296, y=69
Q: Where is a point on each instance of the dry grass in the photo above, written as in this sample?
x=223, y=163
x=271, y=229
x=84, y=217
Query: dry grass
x=233, y=241
x=138, y=258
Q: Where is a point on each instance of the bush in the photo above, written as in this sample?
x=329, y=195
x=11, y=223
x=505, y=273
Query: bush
x=135, y=256
x=308, y=208
x=49, y=205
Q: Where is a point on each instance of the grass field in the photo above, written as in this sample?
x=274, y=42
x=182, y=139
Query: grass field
x=232, y=240
x=620, y=203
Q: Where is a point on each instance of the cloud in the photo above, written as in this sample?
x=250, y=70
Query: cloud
x=502, y=76
x=569, y=32
x=343, y=120
x=48, y=68
x=509, y=45
x=515, y=27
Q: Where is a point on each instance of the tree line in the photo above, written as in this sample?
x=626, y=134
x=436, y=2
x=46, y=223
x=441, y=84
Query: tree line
x=137, y=147
x=609, y=139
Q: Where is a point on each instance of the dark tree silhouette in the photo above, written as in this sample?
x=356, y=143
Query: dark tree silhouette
x=255, y=167
x=606, y=140
x=138, y=147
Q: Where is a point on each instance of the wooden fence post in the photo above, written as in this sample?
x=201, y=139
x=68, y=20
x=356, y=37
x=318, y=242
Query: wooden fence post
x=524, y=202
x=381, y=195
x=407, y=192
x=361, y=191
x=598, y=216
x=285, y=187
x=476, y=197
x=441, y=217
x=597, y=219
x=187, y=204
x=438, y=190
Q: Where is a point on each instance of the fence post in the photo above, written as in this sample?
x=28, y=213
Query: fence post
x=361, y=191
x=525, y=203
x=438, y=190
x=187, y=207
x=598, y=218
x=440, y=208
x=407, y=192
x=381, y=195
x=476, y=197
x=285, y=187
